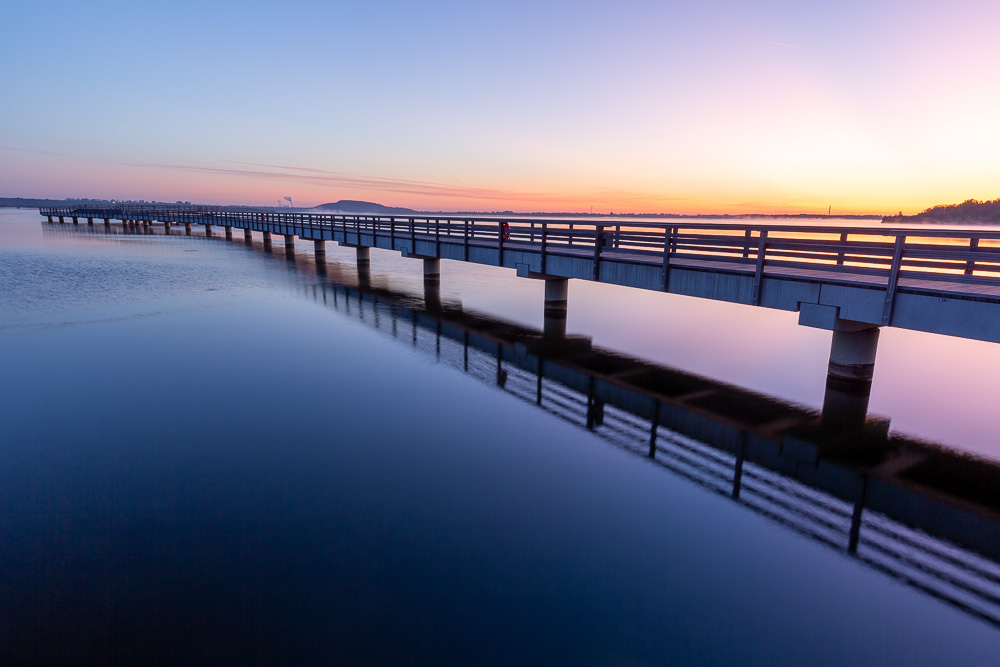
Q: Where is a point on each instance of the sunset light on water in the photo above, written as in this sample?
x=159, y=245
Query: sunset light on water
x=508, y=334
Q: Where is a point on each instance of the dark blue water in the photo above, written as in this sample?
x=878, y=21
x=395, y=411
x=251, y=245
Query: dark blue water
x=198, y=461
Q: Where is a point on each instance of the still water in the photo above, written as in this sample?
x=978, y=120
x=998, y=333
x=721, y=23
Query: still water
x=200, y=459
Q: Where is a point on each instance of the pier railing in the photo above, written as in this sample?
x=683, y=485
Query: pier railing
x=865, y=254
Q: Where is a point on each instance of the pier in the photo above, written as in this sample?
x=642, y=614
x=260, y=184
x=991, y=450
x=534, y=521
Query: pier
x=851, y=281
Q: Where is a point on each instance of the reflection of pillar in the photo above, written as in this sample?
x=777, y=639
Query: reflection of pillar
x=849, y=378
x=432, y=294
x=556, y=293
x=319, y=249
x=248, y=236
x=229, y=233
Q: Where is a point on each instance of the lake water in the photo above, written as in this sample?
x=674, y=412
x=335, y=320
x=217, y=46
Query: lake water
x=202, y=460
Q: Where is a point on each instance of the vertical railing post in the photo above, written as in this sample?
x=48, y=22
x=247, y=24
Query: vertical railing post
x=466, y=240
x=545, y=238
x=392, y=232
x=970, y=265
x=598, y=239
x=841, y=253
x=500, y=235
x=758, y=279
x=668, y=239
x=746, y=244
x=890, y=288
x=571, y=233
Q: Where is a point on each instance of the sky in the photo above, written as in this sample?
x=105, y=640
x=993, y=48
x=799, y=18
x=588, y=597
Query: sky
x=664, y=107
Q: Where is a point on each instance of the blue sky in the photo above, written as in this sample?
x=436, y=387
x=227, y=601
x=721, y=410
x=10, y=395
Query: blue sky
x=685, y=107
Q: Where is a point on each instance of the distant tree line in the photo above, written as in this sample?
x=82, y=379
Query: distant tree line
x=970, y=211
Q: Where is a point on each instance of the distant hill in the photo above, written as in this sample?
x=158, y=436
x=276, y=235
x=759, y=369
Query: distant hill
x=353, y=206
x=971, y=211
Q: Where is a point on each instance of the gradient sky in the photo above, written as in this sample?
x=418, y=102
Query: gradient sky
x=726, y=106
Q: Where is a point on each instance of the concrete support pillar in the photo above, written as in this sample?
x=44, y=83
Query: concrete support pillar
x=556, y=294
x=187, y=229
x=61, y=219
x=90, y=221
x=107, y=222
x=76, y=220
x=363, y=255
x=248, y=236
x=229, y=233
x=849, y=378
x=319, y=249
x=267, y=240
x=432, y=270
x=364, y=262
x=289, y=243
x=50, y=219
x=208, y=230
x=166, y=227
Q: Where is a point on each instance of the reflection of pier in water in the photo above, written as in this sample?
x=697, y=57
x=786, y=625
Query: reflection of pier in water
x=920, y=513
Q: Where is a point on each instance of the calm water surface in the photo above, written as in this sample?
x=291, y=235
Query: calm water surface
x=199, y=461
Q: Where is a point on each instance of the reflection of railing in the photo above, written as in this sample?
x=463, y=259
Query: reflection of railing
x=500, y=354
x=960, y=262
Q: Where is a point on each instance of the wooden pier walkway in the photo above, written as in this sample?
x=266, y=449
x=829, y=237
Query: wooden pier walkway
x=939, y=281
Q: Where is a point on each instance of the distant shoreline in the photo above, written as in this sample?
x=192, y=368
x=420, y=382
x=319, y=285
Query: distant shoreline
x=371, y=208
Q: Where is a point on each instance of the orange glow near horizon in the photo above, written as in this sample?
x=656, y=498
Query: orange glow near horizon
x=263, y=185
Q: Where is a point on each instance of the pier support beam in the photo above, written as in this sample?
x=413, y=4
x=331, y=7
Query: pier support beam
x=852, y=366
x=248, y=236
x=90, y=221
x=166, y=227
x=319, y=249
x=76, y=220
x=61, y=219
x=364, y=262
x=289, y=243
x=556, y=295
x=107, y=222
x=208, y=230
x=267, y=240
x=187, y=228
x=849, y=378
x=229, y=233
x=432, y=271
x=50, y=219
